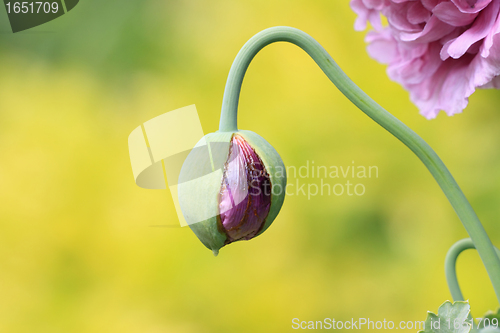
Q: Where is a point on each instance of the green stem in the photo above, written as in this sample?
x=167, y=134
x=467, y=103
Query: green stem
x=450, y=266
x=228, y=122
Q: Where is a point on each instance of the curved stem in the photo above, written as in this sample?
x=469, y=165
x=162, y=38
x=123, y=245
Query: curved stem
x=450, y=266
x=228, y=122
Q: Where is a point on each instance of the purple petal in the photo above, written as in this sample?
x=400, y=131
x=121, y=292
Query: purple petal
x=245, y=195
x=381, y=46
x=480, y=29
x=417, y=13
x=471, y=6
x=449, y=13
x=435, y=29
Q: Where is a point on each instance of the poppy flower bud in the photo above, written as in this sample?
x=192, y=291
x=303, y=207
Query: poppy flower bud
x=231, y=187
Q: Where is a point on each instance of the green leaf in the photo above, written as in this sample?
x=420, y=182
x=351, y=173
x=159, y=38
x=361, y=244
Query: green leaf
x=451, y=318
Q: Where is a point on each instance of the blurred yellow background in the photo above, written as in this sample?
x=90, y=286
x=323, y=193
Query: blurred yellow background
x=83, y=249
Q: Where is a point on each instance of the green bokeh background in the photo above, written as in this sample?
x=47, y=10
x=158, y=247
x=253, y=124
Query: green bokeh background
x=79, y=250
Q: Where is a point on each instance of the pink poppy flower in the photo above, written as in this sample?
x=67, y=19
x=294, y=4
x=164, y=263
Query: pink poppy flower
x=439, y=50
